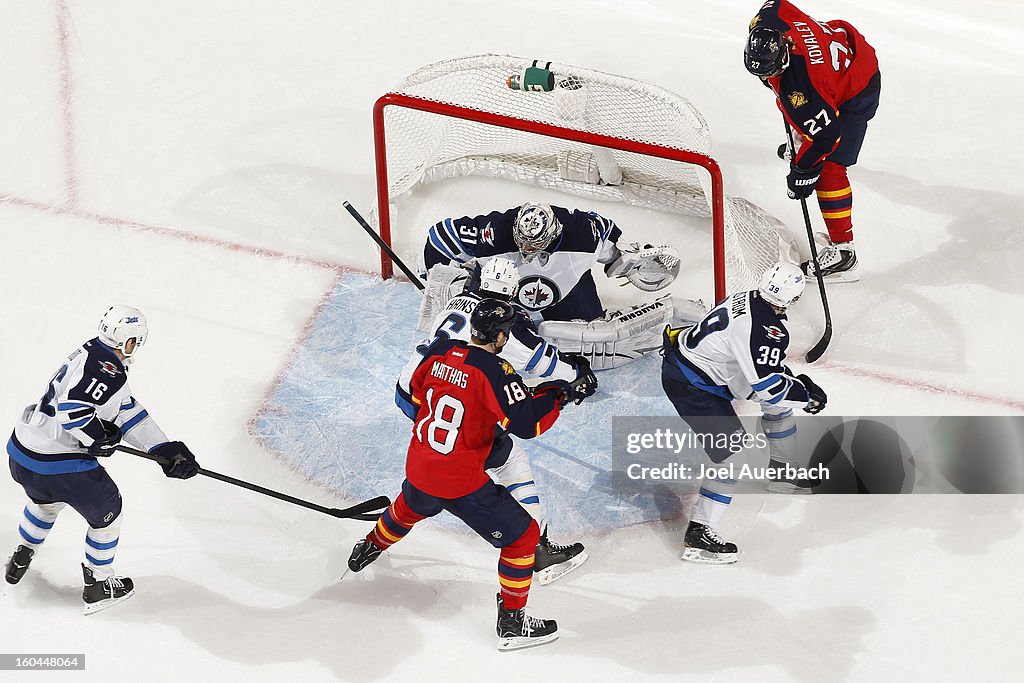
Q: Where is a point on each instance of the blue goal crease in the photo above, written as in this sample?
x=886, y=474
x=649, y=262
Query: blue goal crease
x=333, y=415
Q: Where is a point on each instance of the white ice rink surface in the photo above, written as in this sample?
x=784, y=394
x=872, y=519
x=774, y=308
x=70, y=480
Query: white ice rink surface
x=190, y=158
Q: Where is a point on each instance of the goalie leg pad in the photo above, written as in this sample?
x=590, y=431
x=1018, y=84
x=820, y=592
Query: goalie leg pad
x=619, y=338
x=443, y=283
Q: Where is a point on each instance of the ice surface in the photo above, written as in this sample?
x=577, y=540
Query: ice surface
x=190, y=158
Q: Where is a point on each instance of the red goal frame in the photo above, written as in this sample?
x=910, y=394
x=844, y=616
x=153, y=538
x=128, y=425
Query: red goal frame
x=393, y=99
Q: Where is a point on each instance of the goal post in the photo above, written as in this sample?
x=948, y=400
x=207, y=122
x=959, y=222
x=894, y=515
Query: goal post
x=574, y=130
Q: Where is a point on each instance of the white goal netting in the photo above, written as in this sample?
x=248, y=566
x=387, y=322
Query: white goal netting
x=424, y=147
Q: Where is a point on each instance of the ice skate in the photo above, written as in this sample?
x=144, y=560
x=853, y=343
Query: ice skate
x=17, y=563
x=99, y=595
x=363, y=553
x=703, y=545
x=518, y=630
x=838, y=263
x=553, y=561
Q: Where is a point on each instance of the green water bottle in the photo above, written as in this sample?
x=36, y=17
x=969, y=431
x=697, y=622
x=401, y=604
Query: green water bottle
x=536, y=78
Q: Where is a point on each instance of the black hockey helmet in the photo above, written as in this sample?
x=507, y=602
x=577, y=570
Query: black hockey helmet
x=766, y=53
x=489, y=318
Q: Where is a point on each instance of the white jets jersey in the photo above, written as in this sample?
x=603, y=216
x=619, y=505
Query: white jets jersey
x=587, y=239
x=525, y=350
x=739, y=351
x=53, y=435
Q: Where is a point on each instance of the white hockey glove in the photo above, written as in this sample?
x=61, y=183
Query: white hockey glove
x=648, y=268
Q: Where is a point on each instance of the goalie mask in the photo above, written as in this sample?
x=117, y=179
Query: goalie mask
x=535, y=228
x=782, y=284
x=121, y=324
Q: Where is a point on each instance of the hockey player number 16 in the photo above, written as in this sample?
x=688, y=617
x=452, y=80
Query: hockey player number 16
x=436, y=421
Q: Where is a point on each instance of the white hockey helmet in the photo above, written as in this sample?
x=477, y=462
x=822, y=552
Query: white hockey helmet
x=535, y=228
x=782, y=284
x=121, y=323
x=499, y=278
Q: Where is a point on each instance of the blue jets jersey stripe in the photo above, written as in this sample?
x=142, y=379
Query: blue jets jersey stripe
x=537, y=355
x=435, y=241
x=47, y=463
x=551, y=366
x=74, y=405
x=68, y=426
x=768, y=382
x=126, y=427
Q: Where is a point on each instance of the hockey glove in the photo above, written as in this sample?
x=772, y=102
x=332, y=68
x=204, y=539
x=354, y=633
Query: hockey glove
x=648, y=268
x=817, y=397
x=585, y=384
x=801, y=181
x=178, y=461
x=104, y=446
x=559, y=387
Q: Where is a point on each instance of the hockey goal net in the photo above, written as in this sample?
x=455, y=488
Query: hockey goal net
x=582, y=132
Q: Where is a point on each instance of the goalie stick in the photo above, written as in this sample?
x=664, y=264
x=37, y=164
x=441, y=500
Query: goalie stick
x=361, y=511
x=383, y=245
x=818, y=349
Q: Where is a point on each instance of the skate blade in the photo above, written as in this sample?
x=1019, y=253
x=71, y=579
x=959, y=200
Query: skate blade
x=523, y=642
x=94, y=607
x=704, y=557
x=557, y=571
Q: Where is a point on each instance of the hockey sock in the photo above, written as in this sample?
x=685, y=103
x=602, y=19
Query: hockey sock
x=517, y=477
x=835, y=199
x=781, y=433
x=36, y=522
x=713, y=500
x=393, y=524
x=100, y=547
x=515, y=568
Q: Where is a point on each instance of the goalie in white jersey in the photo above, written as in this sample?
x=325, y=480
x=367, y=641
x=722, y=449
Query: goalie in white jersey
x=554, y=250
x=737, y=351
x=83, y=414
x=535, y=358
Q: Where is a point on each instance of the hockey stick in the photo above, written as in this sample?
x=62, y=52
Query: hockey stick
x=363, y=511
x=383, y=245
x=818, y=349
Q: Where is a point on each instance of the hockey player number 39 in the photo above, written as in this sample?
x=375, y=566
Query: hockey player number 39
x=436, y=420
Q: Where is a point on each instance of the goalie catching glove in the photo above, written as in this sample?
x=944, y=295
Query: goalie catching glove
x=648, y=268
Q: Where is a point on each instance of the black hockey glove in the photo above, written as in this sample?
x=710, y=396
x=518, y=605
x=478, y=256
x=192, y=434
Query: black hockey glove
x=104, y=446
x=801, y=181
x=817, y=396
x=179, y=463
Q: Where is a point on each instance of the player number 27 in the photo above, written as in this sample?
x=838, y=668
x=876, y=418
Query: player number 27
x=441, y=422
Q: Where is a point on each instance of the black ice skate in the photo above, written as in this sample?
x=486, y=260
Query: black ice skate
x=791, y=485
x=553, y=561
x=702, y=544
x=99, y=595
x=17, y=564
x=518, y=630
x=363, y=554
x=838, y=263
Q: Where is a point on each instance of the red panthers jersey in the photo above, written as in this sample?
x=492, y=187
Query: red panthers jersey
x=830, y=63
x=462, y=395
